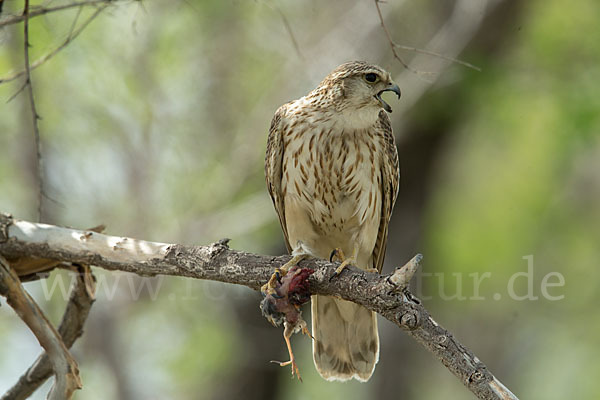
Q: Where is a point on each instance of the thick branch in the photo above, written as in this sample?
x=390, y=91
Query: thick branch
x=219, y=263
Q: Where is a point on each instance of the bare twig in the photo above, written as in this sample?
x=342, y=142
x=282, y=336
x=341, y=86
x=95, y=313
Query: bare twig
x=29, y=86
x=63, y=364
x=15, y=19
x=11, y=98
x=288, y=28
x=74, y=23
x=394, y=46
x=34, y=114
x=434, y=54
x=389, y=37
x=70, y=329
x=219, y=263
x=72, y=36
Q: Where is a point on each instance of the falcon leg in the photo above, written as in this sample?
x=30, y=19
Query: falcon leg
x=279, y=272
x=345, y=262
x=338, y=254
x=287, y=333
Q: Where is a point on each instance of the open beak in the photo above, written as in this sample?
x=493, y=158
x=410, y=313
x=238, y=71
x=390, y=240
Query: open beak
x=391, y=88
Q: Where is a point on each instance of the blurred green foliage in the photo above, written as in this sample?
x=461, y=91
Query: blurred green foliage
x=154, y=123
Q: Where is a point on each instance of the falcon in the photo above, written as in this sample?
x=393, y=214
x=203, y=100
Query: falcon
x=332, y=172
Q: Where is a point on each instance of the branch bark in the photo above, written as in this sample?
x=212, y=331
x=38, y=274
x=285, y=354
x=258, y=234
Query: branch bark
x=218, y=262
x=63, y=364
x=70, y=329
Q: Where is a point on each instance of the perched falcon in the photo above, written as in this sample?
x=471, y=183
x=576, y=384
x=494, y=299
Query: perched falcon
x=332, y=173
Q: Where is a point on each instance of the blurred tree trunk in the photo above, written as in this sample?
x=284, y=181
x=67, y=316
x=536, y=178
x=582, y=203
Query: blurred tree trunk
x=420, y=154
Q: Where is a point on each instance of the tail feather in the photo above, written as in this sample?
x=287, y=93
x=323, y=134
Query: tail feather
x=346, y=341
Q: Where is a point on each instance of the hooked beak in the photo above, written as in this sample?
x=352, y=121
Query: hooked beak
x=391, y=88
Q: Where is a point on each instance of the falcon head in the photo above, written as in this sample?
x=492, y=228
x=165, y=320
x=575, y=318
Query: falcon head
x=359, y=85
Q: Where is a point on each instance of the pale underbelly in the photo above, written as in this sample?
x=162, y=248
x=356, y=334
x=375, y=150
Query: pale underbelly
x=321, y=226
x=332, y=194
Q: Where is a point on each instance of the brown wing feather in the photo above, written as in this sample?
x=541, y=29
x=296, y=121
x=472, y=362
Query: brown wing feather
x=273, y=167
x=390, y=179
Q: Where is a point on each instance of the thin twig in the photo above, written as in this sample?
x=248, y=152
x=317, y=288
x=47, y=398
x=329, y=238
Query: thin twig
x=438, y=55
x=72, y=36
x=34, y=113
x=15, y=19
x=218, y=262
x=389, y=37
x=394, y=46
x=288, y=28
x=74, y=23
x=11, y=98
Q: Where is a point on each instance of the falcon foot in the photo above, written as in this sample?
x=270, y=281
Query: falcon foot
x=282, y=304
x=338, y=254
x=275, y=280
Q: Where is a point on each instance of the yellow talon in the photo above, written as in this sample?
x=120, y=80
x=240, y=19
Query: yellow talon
x=344, y=264
x=269, y=287
x=339, y=254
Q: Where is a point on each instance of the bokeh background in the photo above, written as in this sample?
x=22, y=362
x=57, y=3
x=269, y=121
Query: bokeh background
x=155, y=121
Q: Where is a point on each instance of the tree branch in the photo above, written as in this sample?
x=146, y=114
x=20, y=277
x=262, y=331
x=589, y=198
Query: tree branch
x=394, y=46
x=15, y=19
x=34, y=114
x=70, y=329
x=63, y=364
x=218, y=262
x=72, y=36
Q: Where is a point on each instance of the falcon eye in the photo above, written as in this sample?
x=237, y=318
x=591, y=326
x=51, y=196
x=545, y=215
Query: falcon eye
x=371, y=77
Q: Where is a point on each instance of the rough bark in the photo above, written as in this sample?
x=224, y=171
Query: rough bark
x=218, y=262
